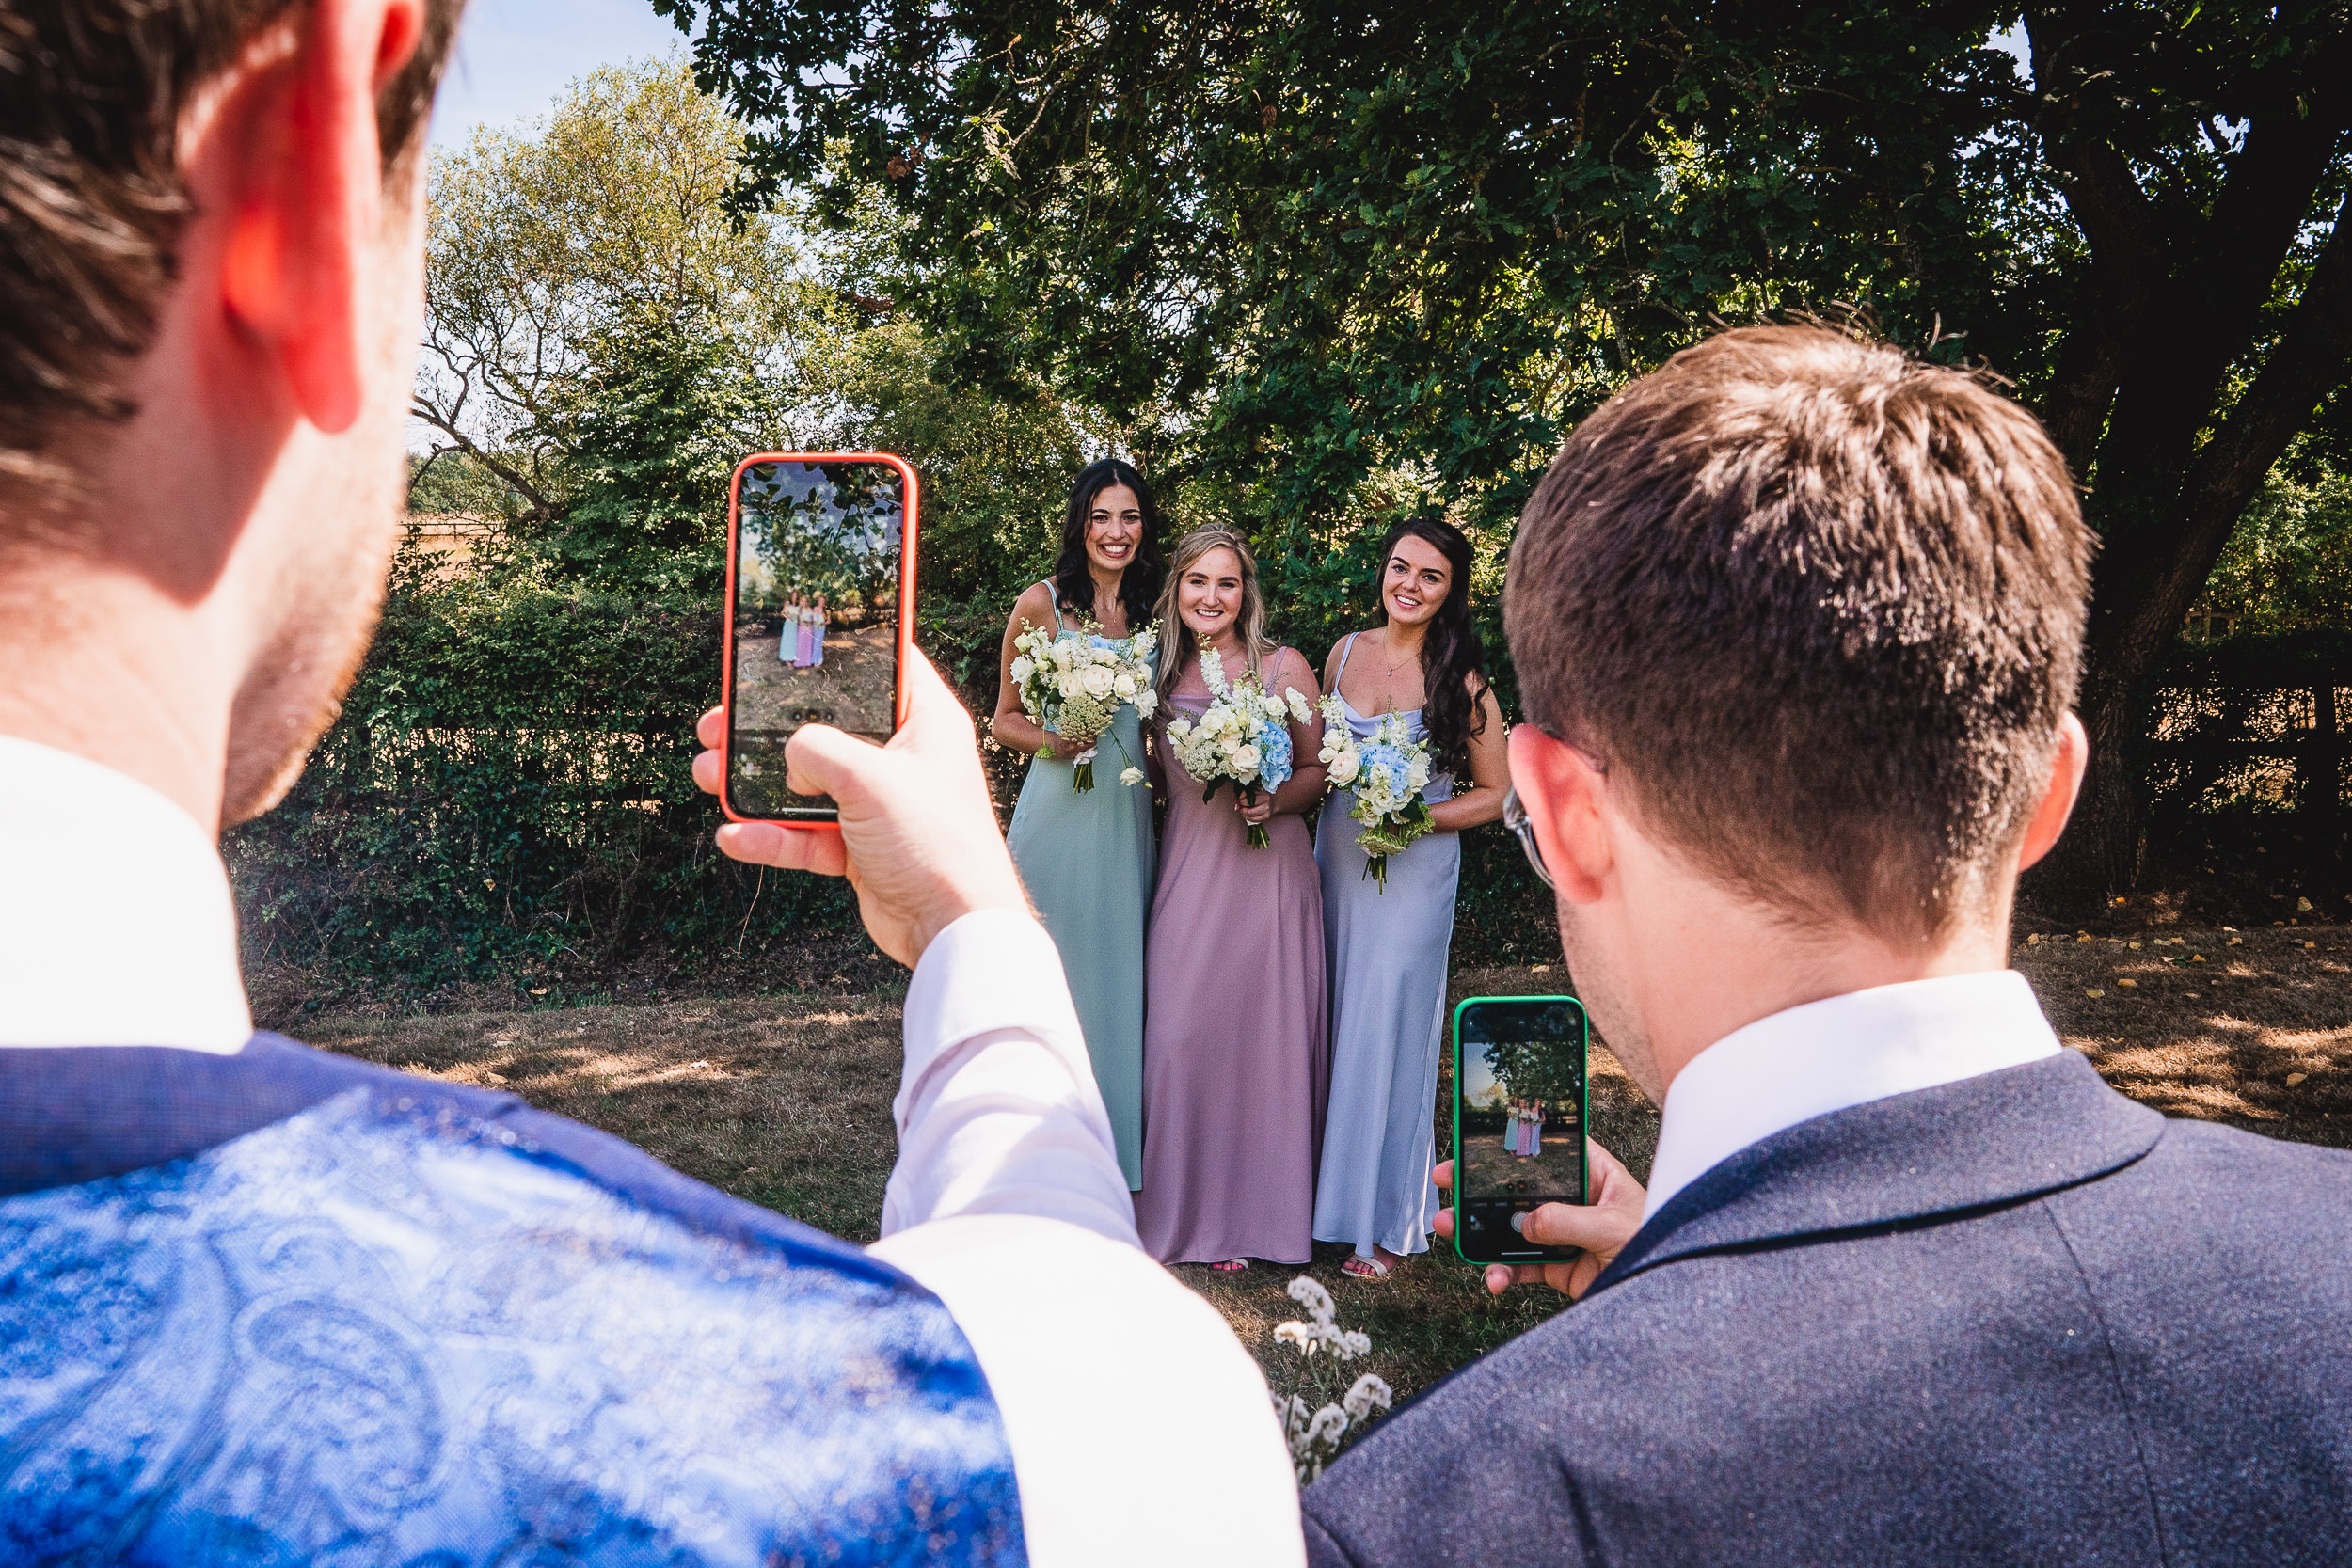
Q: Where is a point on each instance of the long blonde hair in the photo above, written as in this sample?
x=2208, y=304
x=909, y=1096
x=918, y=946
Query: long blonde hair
x=1176, y=640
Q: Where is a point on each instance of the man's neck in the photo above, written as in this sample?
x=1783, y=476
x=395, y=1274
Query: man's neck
x=104, y=666
x=1700, y=962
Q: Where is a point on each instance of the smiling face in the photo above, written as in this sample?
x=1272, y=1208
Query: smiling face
x=1415, y=581
x=1114, y=528
x=1208, y=596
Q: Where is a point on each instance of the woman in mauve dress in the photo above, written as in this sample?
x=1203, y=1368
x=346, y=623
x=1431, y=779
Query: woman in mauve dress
x=1087, y=860
x=1388, y=950
x=1233, y=1048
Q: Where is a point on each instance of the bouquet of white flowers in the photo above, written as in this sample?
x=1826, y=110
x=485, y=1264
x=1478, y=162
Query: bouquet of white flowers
x=1244, y=737
x=1387, y=770
x=1073, y=684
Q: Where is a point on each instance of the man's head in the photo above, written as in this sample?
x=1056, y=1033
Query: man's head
x=1809, y=614
x=210, y=283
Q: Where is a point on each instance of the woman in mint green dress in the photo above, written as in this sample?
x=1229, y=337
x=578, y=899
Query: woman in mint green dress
x=1087, y=859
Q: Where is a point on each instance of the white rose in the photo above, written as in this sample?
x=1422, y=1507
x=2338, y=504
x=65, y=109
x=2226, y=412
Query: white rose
x=1123, y=683
x=1146, y=700
x=1096, y=681
x=1178, y=729
x=1246, y=759
x=1022, y=669
x=1417, y=773
x=1344, y=767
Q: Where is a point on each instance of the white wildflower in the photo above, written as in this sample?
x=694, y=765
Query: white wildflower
x=1369, y=1394
x=1299, y=711
x=1131, y=776
x=1309, y=1293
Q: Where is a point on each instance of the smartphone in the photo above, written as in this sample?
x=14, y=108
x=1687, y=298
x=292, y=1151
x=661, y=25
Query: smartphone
x=1519, y=1113
x=820, y=621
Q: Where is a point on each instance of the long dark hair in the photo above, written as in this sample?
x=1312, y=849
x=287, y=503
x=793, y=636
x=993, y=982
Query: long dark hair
x=1074, y=580
x=1452, y=659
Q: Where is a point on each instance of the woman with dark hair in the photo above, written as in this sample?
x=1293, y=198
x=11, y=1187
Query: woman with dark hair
x=1088, y=858
x=1387, y=951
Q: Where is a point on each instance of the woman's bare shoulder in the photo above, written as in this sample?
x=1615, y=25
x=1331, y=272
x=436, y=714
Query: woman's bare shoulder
x=1036, y=603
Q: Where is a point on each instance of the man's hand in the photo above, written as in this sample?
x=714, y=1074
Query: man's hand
x=918, y=837
x=1601, y=1228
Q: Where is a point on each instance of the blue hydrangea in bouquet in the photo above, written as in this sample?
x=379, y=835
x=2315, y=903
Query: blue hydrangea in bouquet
x=1242, y=738
x=1387, y=770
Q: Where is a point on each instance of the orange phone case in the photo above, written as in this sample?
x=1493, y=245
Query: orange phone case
x=906, y=608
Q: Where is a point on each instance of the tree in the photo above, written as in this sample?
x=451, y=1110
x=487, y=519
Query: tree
x=1347, y=263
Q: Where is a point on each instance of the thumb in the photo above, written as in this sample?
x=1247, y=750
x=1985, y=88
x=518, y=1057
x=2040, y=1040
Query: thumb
x=822, y=760
x=1577, y=1225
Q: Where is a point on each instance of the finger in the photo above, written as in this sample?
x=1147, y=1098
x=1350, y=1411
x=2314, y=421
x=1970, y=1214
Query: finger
x=1501, y=1277
x=1444, y=1223
x=1443, y=1174
x=710, y=771
x=712, y=728
x=786, y=848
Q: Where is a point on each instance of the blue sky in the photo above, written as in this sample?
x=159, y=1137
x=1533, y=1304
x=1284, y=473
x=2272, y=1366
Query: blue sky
x=514, y=57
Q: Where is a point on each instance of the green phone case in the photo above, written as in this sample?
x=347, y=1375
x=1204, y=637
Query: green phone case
x=1583, y=1109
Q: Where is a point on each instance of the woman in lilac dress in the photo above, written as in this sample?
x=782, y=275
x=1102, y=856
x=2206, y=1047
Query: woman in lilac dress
x=1388, y=949
x=818, y=616
x=1234, y=1047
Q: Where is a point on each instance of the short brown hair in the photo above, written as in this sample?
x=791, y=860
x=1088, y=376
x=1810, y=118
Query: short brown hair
x=91, y=199
x=1822, y=605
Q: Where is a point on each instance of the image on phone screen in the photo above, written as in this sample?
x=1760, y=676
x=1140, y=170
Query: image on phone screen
x=816, y=618
x=1519, y=1117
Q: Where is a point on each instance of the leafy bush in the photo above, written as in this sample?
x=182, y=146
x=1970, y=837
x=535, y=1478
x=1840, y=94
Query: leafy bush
x=509, y=791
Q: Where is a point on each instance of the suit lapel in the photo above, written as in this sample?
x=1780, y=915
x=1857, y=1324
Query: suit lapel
x=1980, y=1143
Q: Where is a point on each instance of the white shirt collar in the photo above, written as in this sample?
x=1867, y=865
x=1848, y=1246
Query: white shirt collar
x=116, y=927
x=1830, y=1055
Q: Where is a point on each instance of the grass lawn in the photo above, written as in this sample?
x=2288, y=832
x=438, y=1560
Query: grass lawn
x=786, y=1100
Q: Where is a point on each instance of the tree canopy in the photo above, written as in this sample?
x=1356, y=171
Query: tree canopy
x=1328, y=265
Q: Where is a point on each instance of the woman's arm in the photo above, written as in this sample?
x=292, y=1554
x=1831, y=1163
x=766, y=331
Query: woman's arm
x=1013, y=729
x=1304, y=787
x=1490, y=771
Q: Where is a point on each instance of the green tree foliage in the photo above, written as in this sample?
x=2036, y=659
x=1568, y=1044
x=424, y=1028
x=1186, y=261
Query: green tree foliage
x=2289, y=563
x=1338, y=262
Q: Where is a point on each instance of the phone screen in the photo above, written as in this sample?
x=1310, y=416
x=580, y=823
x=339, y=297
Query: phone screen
x=1519, y=1113
x=818, y=586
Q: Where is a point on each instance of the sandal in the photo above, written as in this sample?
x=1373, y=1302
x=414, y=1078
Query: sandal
x=1359, y=1267
x=1231, y=1265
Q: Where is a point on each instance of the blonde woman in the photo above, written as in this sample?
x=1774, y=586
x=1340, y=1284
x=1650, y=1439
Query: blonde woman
x=1234, y=1053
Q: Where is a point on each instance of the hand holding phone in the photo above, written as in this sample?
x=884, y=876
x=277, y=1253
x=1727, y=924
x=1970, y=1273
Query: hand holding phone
x=1587, y=1237
x=914, y=832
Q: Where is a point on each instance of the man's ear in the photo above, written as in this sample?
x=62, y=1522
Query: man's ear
x=2067, y=762
x=299, y=161
x=1565, y=795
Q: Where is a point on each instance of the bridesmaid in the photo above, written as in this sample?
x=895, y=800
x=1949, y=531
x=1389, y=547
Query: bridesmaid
x=1233, y=1057
x=1086, y=859
x=818, y=616
x=1387, y=952
x=788, y=632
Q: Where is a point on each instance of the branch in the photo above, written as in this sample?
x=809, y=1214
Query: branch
x=2309, y=360
x=540, y=507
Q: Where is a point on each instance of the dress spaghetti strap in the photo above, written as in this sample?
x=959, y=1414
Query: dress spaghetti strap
x=1053, y=596
x=1346, y=648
